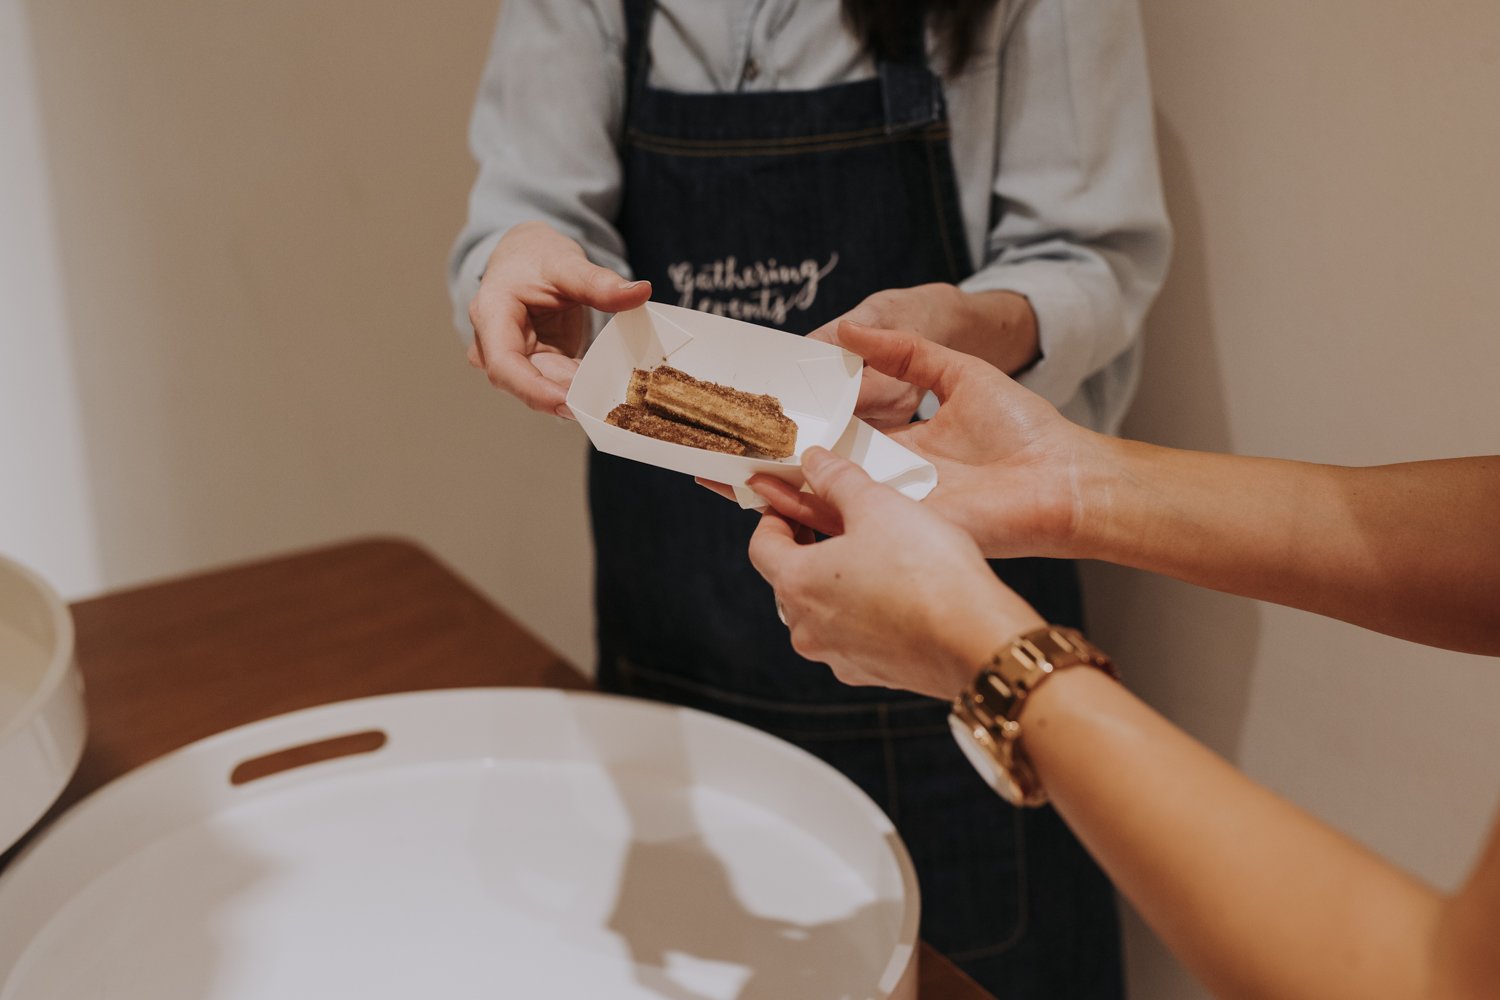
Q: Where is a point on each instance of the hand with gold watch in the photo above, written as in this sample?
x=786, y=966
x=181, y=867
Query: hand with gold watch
x=1255, y=896
x=848, y=600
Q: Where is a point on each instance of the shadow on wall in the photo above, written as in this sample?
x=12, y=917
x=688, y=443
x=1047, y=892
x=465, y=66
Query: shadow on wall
x=1189, y=652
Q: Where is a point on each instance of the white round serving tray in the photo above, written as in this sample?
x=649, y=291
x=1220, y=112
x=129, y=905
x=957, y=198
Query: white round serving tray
x=493, y=843
x=42, y=725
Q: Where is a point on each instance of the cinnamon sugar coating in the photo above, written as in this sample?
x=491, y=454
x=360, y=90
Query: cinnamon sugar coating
x=757, y=420
x=643, y=421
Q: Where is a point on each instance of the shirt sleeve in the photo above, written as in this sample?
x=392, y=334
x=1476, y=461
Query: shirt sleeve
x=546, y=133
x=1080, y=227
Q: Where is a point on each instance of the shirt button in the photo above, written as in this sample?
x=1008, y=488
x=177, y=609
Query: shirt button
x=752, y=69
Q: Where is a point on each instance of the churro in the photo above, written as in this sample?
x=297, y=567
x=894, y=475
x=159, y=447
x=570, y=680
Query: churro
x=757, y=420
x=643, y=421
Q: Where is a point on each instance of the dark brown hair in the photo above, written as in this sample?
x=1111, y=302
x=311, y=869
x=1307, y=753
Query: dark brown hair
x=882, y=25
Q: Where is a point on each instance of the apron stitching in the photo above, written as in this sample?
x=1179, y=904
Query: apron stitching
x=652, y=147
x=937, y=200
x=638, y=133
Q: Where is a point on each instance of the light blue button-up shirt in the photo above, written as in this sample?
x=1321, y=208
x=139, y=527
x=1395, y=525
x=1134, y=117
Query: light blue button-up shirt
x=1053, y=147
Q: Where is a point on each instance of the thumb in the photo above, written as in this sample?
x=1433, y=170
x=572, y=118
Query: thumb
x=846, y=487
x=906, y=357
x=579, y=279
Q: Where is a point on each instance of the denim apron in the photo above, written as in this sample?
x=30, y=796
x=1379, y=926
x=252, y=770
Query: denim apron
x=787, y=209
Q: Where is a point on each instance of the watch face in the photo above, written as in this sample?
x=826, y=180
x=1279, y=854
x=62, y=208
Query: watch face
x=984, y=761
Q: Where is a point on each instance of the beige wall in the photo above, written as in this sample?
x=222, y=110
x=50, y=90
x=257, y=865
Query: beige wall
x=44, y=505
x=253, y=202
x=1331, y=170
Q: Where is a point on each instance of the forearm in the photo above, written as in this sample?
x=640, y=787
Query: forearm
x=1409, y=550
x=995, y=326
x=1254, y=896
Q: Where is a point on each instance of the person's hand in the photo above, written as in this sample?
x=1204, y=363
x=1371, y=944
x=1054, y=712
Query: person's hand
x=1010, y=467
x=530, y=314
x=902, y=598
x=924, y=311
x=998, y=326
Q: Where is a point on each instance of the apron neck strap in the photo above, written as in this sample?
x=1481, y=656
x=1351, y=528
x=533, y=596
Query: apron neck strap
x=637, y=49
x=911, y=92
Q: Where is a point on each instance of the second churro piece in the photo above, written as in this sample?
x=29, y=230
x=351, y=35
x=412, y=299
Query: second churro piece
x=754, y=419
x=643, y=421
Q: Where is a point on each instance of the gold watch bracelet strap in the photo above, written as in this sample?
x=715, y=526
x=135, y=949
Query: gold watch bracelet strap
x=993, y=702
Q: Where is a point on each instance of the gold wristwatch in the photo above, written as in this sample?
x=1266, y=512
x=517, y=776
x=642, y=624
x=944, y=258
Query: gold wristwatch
x=984, y=717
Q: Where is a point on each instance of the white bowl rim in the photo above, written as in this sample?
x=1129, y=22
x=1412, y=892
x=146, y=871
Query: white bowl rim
x=62, y=649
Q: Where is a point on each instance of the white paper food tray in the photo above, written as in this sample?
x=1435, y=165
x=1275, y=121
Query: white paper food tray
x=817, y=384
x=493, y=843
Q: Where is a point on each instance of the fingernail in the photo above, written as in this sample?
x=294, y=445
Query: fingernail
x=563, y=411
x=626, y=286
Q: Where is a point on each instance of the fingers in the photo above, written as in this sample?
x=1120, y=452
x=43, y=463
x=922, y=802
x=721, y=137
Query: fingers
x=885, y=402
x=902, y=356
x=513, y=371
x=773, y=546
x=539, y=379
x=845, y=487
x=792, y=503
x=534, y=268
x=498, y=350
x=579, y=280
x=807, y=513
x=535, y=259
x=558, y=369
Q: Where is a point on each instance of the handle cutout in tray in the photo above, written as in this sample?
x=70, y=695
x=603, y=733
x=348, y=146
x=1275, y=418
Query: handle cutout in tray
x=303, y=754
